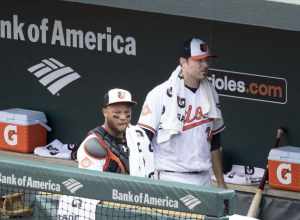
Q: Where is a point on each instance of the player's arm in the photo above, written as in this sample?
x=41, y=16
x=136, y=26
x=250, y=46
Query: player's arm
x=151, y=112
x=91, y=155
x=94, y=149
x=217, y=165
x=216, y=153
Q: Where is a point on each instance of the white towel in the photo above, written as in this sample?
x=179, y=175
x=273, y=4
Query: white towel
x=71, y=207
x=210, y=100
x=140, y=157
x=169, y=123
x=242, y=175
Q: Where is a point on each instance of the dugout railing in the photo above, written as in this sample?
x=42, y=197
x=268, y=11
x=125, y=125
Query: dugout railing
x=40, y=190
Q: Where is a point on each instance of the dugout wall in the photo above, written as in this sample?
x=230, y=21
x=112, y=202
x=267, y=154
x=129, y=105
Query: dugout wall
x=97, y=48
x=49, y=191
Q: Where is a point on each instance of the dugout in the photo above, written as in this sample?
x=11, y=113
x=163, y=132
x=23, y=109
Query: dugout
x=133, y=45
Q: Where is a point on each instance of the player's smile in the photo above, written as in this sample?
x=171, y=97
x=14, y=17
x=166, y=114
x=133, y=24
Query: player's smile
x=118, y=117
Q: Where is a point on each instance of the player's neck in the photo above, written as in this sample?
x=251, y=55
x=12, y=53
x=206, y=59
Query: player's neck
x=191, y=83
x=113, y=132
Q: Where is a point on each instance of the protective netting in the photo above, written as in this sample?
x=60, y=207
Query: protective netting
x=18, y=203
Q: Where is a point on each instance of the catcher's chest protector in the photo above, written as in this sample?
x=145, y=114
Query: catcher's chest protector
x=118, y=153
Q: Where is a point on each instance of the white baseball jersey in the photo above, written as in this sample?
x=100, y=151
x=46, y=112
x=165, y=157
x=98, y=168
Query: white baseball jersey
x=188, y=151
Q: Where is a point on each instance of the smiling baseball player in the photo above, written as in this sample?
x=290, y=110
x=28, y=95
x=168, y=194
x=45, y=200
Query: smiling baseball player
x=117, y=146
x=184, y=121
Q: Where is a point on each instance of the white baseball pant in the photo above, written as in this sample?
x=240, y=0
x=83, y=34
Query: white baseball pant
x=202, y=178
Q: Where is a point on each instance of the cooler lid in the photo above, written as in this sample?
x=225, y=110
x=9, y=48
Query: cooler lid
x=286, y=153
x=22, y=116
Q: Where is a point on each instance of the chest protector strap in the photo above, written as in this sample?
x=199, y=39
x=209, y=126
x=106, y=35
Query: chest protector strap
x=114, y=153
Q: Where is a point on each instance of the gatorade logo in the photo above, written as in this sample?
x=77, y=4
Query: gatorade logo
x=10, y=135
x=283, y=173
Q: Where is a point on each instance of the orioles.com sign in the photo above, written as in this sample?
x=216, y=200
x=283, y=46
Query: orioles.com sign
x=249, y=86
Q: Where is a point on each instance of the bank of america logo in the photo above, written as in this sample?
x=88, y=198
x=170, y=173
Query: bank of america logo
x=72, y=185
x=53, y=74
x=190, y=201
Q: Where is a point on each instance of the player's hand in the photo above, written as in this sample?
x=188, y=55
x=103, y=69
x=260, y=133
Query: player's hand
x=222, y=185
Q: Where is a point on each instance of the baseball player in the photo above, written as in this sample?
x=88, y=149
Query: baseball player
x=183, y=119
x=117, y=146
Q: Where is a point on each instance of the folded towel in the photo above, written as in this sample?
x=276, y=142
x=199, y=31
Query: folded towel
x=243, y=175
x=141, y=156
x=54, y=149
x=71, y=207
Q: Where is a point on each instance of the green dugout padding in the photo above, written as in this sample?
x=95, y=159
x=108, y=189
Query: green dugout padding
x=46, y=177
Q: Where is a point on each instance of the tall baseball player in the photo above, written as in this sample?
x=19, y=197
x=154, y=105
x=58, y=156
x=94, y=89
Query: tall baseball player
x=117, y=146
x=183, y=119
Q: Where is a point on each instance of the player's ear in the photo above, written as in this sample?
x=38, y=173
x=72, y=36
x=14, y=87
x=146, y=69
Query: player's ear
x=104, y=112
x=182, y=61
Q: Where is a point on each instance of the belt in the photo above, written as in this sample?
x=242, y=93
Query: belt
x=187, y=172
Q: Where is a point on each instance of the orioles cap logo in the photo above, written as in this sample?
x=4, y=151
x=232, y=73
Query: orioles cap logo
x=121, y=95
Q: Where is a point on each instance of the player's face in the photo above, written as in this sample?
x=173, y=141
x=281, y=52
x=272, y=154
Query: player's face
x=117, y=117
x=195, y=70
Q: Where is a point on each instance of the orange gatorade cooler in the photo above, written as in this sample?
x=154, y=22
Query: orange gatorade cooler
x=284, y=168
x=22, y=130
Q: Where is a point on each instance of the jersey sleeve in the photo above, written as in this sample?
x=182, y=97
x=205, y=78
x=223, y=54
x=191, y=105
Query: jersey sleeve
x=91, y=155
x=94, y=149
x=152, y=110
x=218, y=124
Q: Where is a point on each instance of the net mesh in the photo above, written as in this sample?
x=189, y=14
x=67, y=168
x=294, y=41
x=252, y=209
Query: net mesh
x=19, y=203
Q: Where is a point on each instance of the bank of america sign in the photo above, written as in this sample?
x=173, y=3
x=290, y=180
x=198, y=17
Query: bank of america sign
x=53, y=74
